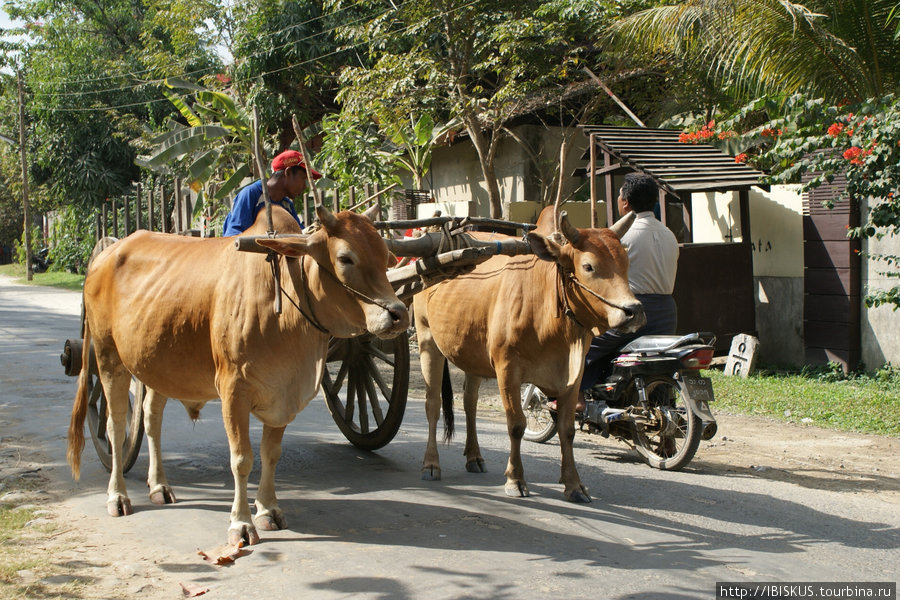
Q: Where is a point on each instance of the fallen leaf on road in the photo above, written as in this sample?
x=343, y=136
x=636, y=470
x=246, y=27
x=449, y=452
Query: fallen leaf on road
x=224, y=555
x=192, y=591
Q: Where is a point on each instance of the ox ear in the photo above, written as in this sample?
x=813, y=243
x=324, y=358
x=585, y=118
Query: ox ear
x=544, y=247
x=622, y=225
x=326, y=218
x=293, y=246
x=373, y=213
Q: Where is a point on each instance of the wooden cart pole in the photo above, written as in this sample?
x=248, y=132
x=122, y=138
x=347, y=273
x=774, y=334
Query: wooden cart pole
x=306, y=161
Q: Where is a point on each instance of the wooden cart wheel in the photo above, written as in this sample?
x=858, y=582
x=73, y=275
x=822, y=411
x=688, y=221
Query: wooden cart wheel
x=96, y=416
x=365, y=384
x=96, y=419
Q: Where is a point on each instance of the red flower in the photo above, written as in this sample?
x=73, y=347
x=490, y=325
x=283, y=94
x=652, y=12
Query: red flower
x=741, y=158
x=223, y=79
x=835, y=129
x=855, y=155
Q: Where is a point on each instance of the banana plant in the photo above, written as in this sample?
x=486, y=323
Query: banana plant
x=416, y=140
x=214, y=149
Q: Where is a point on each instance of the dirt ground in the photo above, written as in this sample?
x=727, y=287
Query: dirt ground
x=810, y=456
x=813, y=458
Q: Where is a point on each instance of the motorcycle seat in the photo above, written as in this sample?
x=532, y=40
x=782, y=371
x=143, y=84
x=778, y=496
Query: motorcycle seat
x=662, y=343
x=651, y=343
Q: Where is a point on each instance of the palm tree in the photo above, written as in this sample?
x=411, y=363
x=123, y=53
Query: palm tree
x=839, y=50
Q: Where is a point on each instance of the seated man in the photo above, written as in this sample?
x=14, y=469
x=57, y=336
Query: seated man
x=287, y=182
x=653, y=261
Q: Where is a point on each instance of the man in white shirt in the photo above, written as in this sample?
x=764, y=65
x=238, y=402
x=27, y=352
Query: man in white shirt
x=653, y=261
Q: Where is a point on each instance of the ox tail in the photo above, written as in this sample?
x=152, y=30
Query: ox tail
x=447, y=402
x=79, y=409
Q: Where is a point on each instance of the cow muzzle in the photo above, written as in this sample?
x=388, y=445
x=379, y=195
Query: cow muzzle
x=387, y=319
x=631, y=317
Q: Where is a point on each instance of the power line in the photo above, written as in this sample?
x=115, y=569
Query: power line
x=278, y=70
x=136, y=74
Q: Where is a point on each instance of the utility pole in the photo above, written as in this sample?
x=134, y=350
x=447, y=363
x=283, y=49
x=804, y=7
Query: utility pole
x=26, y=208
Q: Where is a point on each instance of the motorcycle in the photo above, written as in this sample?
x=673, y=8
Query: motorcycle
x=654, y=400
x=40, y=260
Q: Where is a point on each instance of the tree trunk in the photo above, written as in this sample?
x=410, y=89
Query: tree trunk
x=486, y=160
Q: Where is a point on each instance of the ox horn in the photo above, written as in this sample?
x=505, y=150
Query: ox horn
x=373, y=213
x=326, y=217
x=567, y=229
x=623, y=224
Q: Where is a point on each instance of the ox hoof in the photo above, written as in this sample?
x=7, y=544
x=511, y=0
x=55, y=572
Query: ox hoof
x=162, y=494
x=579, y=495
x=431, y=474
x=272, y=520
x=120, y=506
x=476, y=466
x=516, y=489
x=242, y=534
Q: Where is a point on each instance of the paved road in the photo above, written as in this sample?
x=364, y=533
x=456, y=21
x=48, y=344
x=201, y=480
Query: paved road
x=363, y=525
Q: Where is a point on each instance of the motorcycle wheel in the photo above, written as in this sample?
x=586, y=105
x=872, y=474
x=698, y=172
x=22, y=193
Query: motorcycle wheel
x=670, y=438
x=540, y=421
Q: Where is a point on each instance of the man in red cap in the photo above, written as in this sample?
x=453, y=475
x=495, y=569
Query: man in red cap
x=288, y=181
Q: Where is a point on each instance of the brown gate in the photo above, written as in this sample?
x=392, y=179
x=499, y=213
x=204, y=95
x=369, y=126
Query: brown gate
x=831, y=277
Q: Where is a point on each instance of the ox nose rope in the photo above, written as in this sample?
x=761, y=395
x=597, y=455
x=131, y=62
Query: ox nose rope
x=311, y=317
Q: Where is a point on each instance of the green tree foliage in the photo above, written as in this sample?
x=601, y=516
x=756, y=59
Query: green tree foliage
x=840, y=50
x=860, y=141
x=467, y=60
x=285, y=62
x=93, y=86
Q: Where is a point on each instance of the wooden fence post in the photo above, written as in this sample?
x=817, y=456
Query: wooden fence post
x=138, y=205
x=150, y=194
x=127, y=206
x=115, y=217
x=179, y=207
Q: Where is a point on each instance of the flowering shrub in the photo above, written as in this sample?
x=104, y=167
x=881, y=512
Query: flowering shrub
x=861, y=141
x=707, y=133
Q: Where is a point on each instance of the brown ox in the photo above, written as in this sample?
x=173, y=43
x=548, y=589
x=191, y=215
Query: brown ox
x=193, y=319
x=506, y=320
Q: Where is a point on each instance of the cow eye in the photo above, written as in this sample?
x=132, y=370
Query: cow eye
x=345, y=260
x=588, y=267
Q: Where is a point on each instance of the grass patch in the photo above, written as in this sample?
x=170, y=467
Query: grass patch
x=865, y=403
x=58, y=279
x=14, y=554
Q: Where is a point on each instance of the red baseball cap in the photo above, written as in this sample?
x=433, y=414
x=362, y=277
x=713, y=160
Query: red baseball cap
x=292, y=158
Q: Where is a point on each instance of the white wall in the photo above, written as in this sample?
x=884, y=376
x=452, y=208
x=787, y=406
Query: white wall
x=880, y=327
x=776, y=229
x=459, y=184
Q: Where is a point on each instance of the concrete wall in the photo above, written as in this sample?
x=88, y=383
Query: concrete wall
x=458, y=183
x=880, y=327
x=776, y=228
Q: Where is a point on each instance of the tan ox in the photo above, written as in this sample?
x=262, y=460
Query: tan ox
x=507, y=320
x=193, y=319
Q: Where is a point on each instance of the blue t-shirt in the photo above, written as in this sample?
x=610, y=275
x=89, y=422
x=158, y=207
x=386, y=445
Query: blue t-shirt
x=247, y=205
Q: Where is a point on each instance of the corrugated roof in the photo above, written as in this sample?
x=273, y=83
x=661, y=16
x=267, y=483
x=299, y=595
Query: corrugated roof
x=676, y=166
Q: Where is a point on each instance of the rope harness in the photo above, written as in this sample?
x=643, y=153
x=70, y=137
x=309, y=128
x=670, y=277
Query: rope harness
x=563, y=277
x=311, y=317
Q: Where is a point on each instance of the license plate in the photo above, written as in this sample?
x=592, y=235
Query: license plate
x=700, y=391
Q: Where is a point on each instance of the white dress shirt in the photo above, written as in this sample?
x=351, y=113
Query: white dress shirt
x=653, y=255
